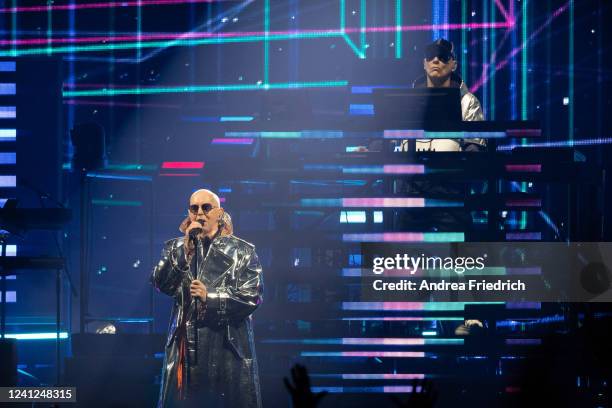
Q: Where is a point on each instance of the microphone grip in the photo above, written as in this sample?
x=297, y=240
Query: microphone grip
x=193, y=234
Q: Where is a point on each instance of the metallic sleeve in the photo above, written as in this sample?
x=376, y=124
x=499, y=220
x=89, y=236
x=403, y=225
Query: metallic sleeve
x=169, y=272
x=472, y=111
x=238, y=301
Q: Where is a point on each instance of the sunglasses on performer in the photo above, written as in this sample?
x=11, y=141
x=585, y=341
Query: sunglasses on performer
x=443, y=57
x=206, y=208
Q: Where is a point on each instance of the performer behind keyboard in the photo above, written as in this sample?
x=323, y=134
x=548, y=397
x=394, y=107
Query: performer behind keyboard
x=440, y=65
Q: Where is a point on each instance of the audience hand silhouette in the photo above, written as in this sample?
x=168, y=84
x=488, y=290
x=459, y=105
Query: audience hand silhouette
x=301, y=394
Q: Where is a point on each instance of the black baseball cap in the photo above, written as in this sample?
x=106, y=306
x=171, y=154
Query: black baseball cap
x=441, y=48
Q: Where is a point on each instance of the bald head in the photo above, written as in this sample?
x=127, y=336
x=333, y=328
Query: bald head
x=205, y=195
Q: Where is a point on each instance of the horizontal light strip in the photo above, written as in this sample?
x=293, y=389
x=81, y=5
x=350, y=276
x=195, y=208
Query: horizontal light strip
x=378, y=202
x=182, y=165
x=8, y=158
x=523, y=236
x=8, y=112
x=352, y=217
x=8, y=181
x=422, y=134
x=127, y=167
x=305, y=134
x=8, y=88
x=36, y=336
x=11, y=296
x=7, y=66
x=233, y=141
x=400, y=354
x=236, y=118
x=523, y=342
x=389, y=389
x=203, y=88
x=8, y=134
x=372, y=341
x=119, y=176
x=405, y=237
x=100, y=5
x=569, y=143
x=11, y=250
x=377, y=376
x=524, y=168
x=524, y=202
x=420, y=306
x=403, y=318
x=361, y=109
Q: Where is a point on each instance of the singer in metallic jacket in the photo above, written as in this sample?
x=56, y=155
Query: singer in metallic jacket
x=210, y=355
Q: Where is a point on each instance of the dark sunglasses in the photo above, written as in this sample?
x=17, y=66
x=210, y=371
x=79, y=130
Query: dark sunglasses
x=206, y=208
x=443, y=57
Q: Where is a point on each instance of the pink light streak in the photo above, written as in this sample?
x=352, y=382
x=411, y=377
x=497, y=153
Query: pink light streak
x=404, y=169
x=385, y=237
x=403, y=306
x=383, y=202
x=524, y=168
x=383, y=376
x=182, y=165
x=402, y=354
x=101, y=5
x=386, y=341
x=202, y=35
x=233, y=141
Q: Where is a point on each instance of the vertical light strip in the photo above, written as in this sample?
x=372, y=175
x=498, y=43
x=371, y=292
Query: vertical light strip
x=435, y=11
x=492, y=63
x=524, y=61
x=464, y=43
x=138, y=30
x=513, y=72
x=266, y=43
x=362, y=28
x=14, y=30
x=49, y=26
x=571, y=71
x=342, y=16
x=398, y=29
x=524, y=95
x=485, y=59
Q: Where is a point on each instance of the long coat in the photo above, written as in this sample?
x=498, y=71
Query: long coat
x=210, y=355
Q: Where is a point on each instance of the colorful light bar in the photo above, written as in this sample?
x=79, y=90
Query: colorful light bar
x=8, y=181
x=110, y=176
x=8, y=158
x=36, y=336
x=232, y=141
x=405, y=237
x=183, y=165
x=200, y=88
x=412, y=306
x=396, y=354
x=305, y=134
x=8, y=112
x=379, y=341
x=8, y=89
x=361, y=109
x=523, y=236
x=377, y=376
x=524, y=168
x=100, y=5
x=403, y=318
x=422, y=134
x=11, y=296
x=390, y=389
x=524, y=202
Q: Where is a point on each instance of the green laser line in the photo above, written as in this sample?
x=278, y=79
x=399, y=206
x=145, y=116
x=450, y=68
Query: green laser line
x=202, y=88
x=164, y=44
x=362, y=27
x=353, y=46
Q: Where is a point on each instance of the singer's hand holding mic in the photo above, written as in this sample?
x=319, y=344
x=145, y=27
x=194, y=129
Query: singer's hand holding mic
x=198, y=290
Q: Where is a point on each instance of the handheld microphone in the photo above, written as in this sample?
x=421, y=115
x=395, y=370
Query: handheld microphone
x=193, y=234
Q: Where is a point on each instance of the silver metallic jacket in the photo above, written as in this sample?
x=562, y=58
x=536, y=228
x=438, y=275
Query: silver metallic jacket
x=210, y=355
